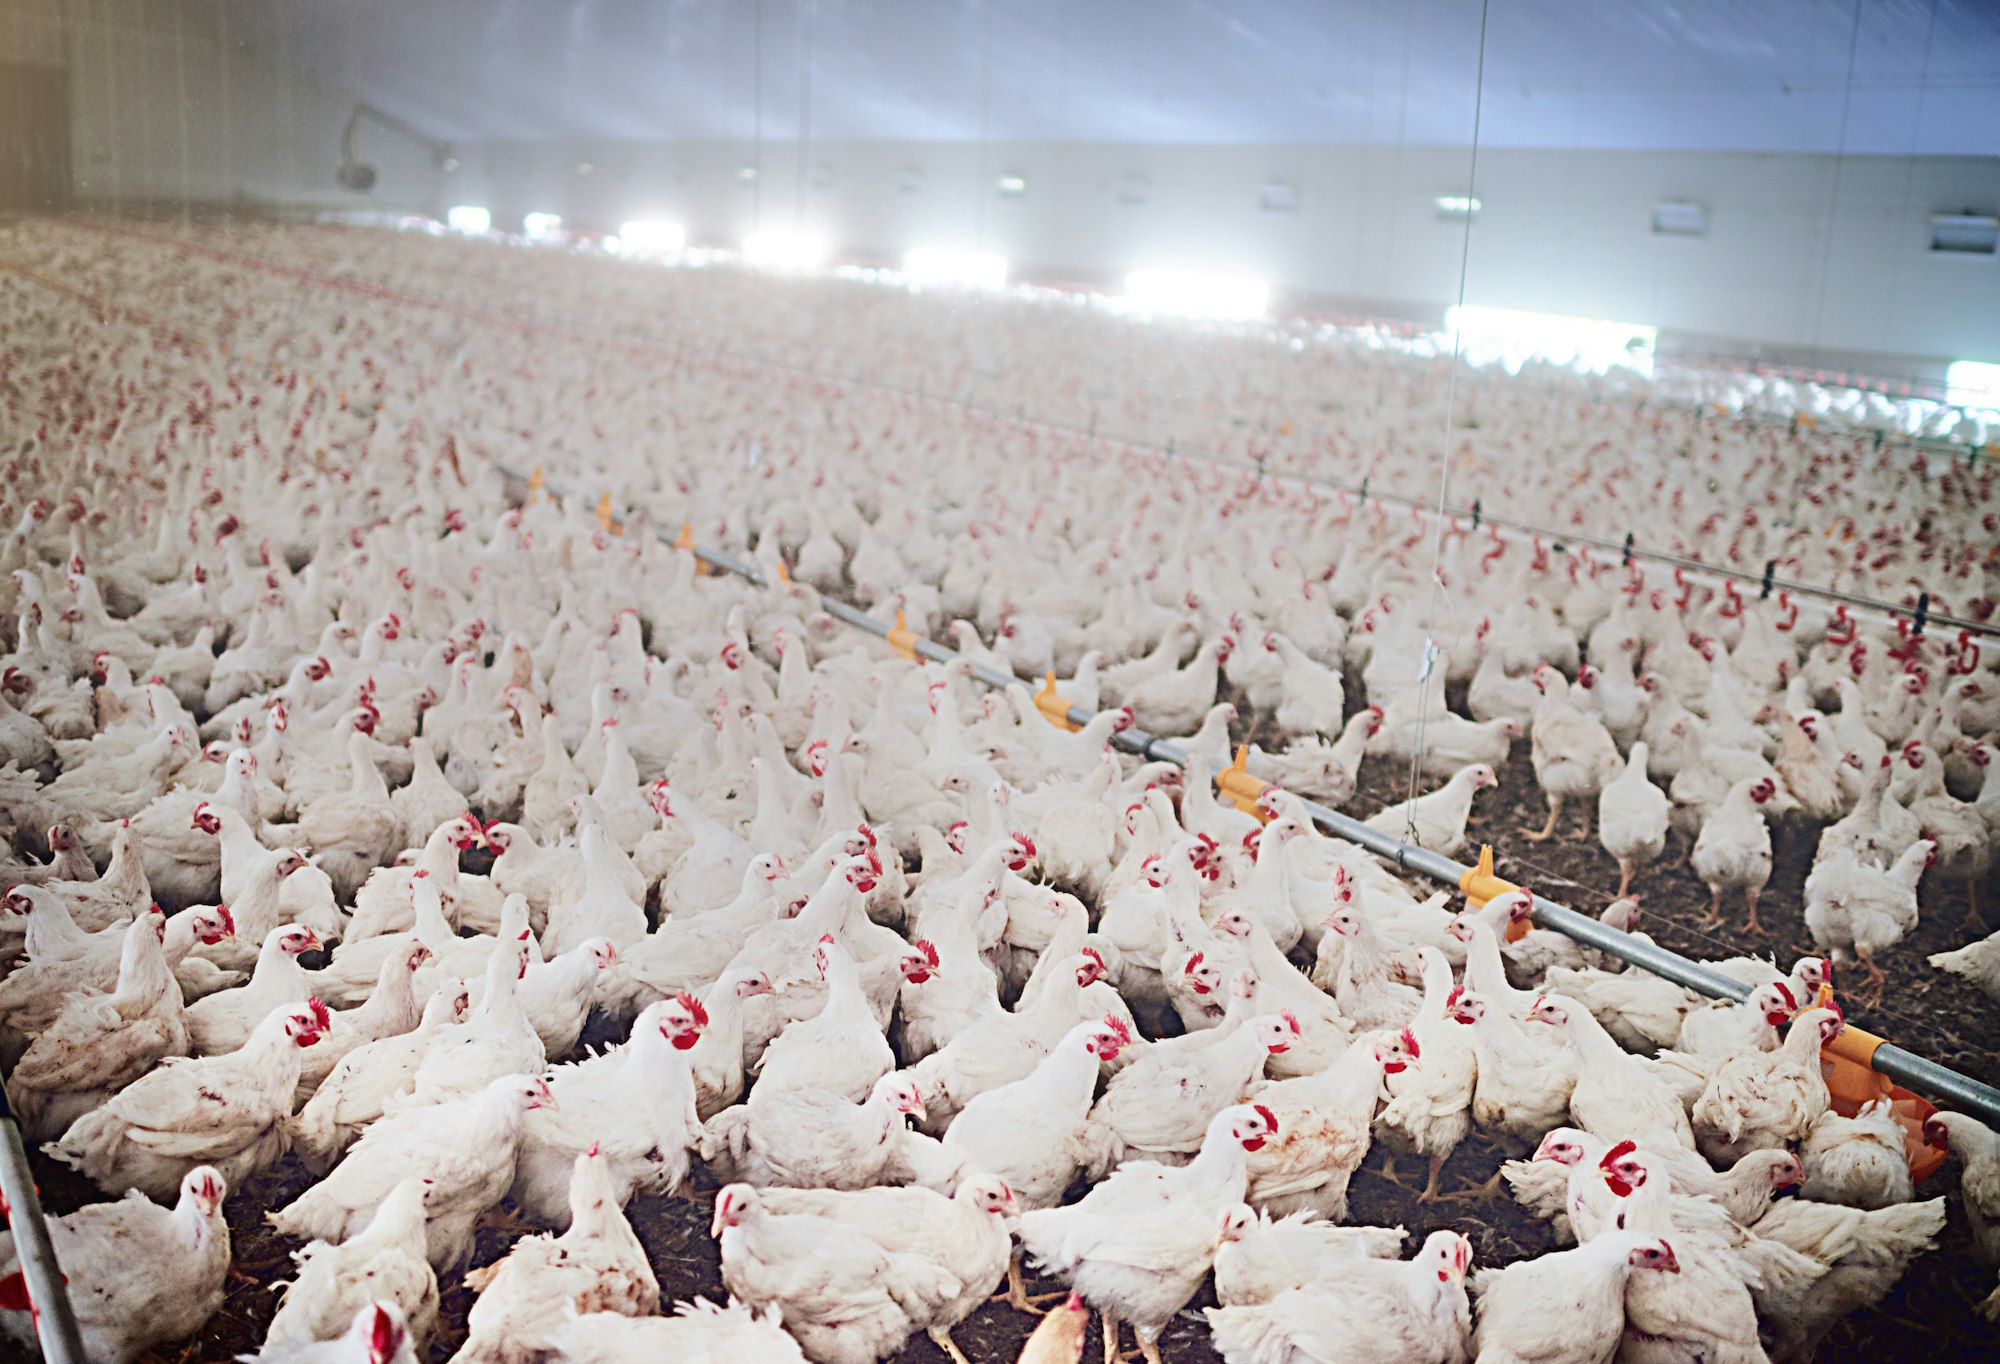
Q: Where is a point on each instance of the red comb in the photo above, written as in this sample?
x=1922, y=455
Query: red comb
x=322, y=1019
x=1292, y=1019
x=1618, y=1153
x=1267, y=1115
x=925, y=946
x=1118, y=1028
x=1791, y=1001
x=694, y=1008
x=1410, y=1044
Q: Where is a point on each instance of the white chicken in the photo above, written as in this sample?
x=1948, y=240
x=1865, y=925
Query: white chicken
x=232, y=1112
x=138, y=1275
x=385, y=1261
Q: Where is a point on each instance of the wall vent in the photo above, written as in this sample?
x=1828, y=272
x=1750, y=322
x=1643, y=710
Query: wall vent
x=1677, y=218
x=1964, y=234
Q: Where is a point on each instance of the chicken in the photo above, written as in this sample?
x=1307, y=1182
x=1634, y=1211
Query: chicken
x=1632, y=817
x=1572, y=751
x=384, y=1262
x=466, y=1149
x=697, y=1330
x=230, y=1111
x=1615, y=1095
x=1174, y=702
x=376, y=1335
x=1325, y=1126
x=1060, y=1337
x=964, y=1238
x=1430, y=1101
x=1855, y=909
x=1977, y=962
x=1865, y=1254
x=597, y=1265
x=1522, y=1085
x=1566, y=1307
x=222, y=1021
x=840, y=1049
x=841, y=1294
x=1139, y=1244
x=138, y=1275
x=810, y=1138
x=1979, y=1185
x=99, y=1043
x=1260, y=1258
x=1436, y=820
x=1378, y=1312
x=1858, y=1161
x=634, y=1106
x=358, y=1089
x=1733, y=850
x=1766, y=1099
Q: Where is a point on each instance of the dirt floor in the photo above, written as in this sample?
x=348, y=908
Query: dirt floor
x=1936, y=1015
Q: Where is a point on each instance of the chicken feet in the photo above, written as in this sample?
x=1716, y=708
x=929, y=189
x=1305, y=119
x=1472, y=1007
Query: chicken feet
x=941, y=1337
x=1149, y=1351
x=1017, y=1295
x=1548, y=830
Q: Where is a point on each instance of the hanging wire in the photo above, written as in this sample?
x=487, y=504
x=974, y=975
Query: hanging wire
x=1430, y=659
x=805, y=113
x=981, y=186
x=757, y=119
x=1839, y=173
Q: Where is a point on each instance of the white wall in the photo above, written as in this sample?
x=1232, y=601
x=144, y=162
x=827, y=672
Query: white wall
x=1805, y=254
x=167, y=107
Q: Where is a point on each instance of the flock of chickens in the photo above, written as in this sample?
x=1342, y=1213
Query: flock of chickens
x=935, y=991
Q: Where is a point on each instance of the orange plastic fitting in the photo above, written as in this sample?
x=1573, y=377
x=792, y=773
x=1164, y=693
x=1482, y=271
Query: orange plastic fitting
x=1243, y=789
x=606, y=518
x=903, y=639
x=686, y=542
x=1852, y=1083
x=535, y=483
x=1053, y=707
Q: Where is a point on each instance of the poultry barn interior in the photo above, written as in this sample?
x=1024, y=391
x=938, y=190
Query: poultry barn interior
x=1346, y=652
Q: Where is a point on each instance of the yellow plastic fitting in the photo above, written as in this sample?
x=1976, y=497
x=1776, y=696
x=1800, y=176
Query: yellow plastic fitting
x=686, y=542
x=606, y=519
x=903, y=639
x=535, y=483
x=1243, y=789
x=1053, y=707
x=1480, y=885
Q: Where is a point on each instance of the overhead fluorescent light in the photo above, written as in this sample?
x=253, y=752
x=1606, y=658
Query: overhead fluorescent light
x=586, y=168
x=1513, y=337
x=1276, y=196
x=1677, y=218
x=468, y=218
x=747, y=174
x=1188, y=293
x=541, y=227
x=652, y=237
x=966, y=269
x=1973, y=383
x=1456, y=207
x=776, y=250
x=1012, y=185
x=1964, y=234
